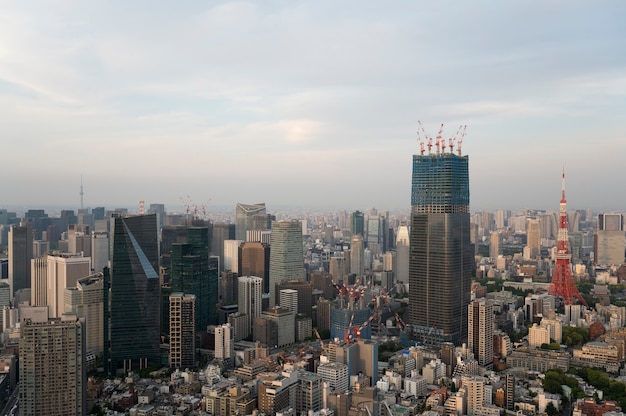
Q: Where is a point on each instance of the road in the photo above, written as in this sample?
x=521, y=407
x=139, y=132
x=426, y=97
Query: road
x=11, y=408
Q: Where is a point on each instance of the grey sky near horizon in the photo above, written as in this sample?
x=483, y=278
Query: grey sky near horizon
x=309, y=103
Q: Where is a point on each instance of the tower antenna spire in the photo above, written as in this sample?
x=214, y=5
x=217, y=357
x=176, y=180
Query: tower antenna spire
x=81, y=192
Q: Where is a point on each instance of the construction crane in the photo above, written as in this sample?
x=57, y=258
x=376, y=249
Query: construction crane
x=349, y=330
x=363, y=325
x=319, y=338
x=440, y=141
x=460, y=140
x=420, y=142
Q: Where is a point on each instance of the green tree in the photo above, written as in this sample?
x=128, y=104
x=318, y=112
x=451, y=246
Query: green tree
x=551, y=410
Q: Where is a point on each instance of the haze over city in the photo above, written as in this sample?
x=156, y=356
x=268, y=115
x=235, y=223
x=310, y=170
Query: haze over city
x=309, y=104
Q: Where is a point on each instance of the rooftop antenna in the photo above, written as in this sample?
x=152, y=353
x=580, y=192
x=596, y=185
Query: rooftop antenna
x=81, y=192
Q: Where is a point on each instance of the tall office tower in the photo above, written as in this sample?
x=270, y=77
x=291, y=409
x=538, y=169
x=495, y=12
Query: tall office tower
x=321, y=280
x=98, y=213
x=357, y=223
x=475, y=395
x=134, y=327
x=182, y=330
x=357, y=255
x=288, y=299
x=509, y=391
x=609, y=240
x=99, y=250
x=286, y=254
x=309, y=393
x=538, y=335
x=500, y=219
x=221, y=233
x=337, y=267
x=562, y=284
x=250, y=292
x=254, y=260
x=190, y=273
x=159, y=210
x=52, y=367
x=335, y=375
x=402, y=254
x=39, y=281
x=63, y=271
x=375, y=228
x=20, y=255
x=304, y=301
x=79, y=241
x=231, y=255
x=285, y=321
x=441, y=255
x=261, y=236
x=224, y=342
x=86, y=301
x=448, y=356
x=480, y=331
x=228, y=286
x=5, y=300
x=40, y=248
x=494, y=244
x=533, y=237
x=245, y=218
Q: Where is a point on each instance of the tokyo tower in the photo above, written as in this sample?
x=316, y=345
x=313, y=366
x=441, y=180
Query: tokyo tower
x=562, y=280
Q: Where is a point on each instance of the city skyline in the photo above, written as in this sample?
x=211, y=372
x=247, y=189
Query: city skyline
x=292, y=103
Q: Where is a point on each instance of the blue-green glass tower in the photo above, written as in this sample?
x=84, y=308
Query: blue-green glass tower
x=440, y=262
x=134, y=318
x=194, y=272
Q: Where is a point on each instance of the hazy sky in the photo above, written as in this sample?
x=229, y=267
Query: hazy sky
x=309, y=103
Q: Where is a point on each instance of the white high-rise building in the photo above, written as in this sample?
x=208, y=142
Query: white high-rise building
x=402, y=254
x=64, y=270
x=286, y=254
x=289, y=299
x=336, y=375
x=250, y=292
x=538, y=335
x=231, y=255
x=357, y=254
x=480, y=331
x=224, y=342
x=86, y=301
x=99, y=250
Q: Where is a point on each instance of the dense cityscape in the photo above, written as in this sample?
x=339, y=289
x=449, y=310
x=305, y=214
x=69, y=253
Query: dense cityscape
x=433, y=311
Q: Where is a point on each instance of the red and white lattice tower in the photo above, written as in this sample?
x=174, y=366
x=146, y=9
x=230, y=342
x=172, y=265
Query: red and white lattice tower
x=562, y=280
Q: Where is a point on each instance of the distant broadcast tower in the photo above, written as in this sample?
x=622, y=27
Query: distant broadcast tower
x=81, y=192
x=562, y=280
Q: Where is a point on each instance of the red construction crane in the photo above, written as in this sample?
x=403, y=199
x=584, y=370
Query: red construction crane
x=440, y=141
x=363, y=325
x=319, y=338
x=349, y=330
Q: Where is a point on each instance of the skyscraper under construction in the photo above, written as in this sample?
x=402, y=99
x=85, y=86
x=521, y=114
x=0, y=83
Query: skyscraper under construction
x=441, y=255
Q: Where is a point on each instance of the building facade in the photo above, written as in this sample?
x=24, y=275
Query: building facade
x=134, y=289
x=441, y=255
x=182, y=330
x=480, y=331
x=286, y=255
x=52, y=367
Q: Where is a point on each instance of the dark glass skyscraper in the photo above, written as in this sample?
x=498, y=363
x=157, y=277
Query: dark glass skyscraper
x=134, y=294
x=441, y=256
x=193, y=272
